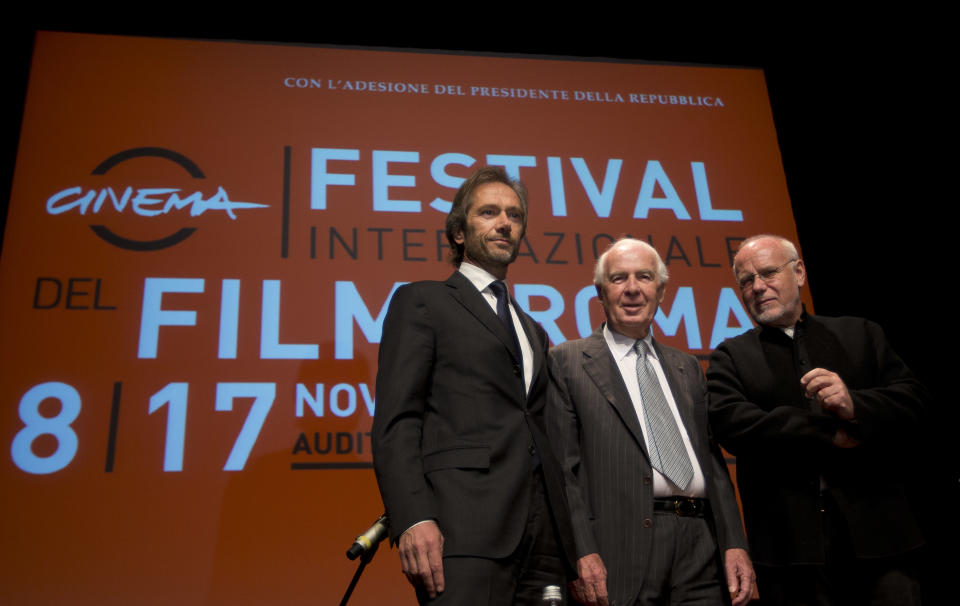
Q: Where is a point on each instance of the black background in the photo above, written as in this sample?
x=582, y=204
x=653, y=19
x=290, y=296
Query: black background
x=862, y=111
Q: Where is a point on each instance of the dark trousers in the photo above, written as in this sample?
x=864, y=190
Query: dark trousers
x=516, y=579
x=843, y=579
x=683, y=566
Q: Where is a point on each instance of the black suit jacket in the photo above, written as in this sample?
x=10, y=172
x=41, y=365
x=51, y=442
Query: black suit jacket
x=784, y=444
x=609, y=481
x=454, y=432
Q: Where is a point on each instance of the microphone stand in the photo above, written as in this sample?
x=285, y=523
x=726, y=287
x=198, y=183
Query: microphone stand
x=365, y=558
x=365, y=545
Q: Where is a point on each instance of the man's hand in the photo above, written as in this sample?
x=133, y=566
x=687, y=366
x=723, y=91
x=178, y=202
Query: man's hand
x=421, y=553
x=842, y=439
x=740, y=576
x=590, y=588
x=830, y=391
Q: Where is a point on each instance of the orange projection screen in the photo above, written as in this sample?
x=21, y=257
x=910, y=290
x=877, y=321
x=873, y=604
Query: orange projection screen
x=201, y=244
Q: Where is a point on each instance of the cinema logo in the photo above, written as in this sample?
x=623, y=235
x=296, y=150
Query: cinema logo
x=144, y=202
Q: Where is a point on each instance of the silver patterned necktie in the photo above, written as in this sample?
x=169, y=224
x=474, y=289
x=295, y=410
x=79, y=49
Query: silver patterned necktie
x=664, y=444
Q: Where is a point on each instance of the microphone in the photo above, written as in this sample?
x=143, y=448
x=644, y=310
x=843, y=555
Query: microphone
x=552, y=596
x=369, y=540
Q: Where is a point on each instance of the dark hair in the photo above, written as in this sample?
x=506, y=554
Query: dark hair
x=457, y=218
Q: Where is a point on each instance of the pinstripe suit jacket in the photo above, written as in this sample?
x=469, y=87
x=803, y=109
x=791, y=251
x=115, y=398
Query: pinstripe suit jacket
x=594, y=428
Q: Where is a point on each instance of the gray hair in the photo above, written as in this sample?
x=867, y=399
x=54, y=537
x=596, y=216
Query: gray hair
x=599, y=271
x=786, y=246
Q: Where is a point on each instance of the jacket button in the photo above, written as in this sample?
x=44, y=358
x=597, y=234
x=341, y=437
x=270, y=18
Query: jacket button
x=533, y=449
x=647, y=523
x=646, y=480
x=516, y=369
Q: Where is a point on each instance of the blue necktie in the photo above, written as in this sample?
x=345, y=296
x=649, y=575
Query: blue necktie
x=503, y=312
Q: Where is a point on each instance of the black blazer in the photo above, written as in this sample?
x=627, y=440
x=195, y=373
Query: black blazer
x=784, y=445
x=455, y=435
x=594, y=426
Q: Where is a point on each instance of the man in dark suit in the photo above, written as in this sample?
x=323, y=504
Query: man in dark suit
x=820, y=413
x=648, y=492
x=459, y=446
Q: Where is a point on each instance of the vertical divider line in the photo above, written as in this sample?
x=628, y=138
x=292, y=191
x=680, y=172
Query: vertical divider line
x=285, y=227
x=114, y=421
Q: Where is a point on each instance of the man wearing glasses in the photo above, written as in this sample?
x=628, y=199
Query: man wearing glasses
x=819, y=413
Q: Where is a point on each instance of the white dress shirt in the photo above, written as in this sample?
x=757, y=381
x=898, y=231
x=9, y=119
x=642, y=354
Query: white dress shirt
x=481, y=278
x=626, y=357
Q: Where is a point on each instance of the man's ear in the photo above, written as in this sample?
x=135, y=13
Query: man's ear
x=801, y=271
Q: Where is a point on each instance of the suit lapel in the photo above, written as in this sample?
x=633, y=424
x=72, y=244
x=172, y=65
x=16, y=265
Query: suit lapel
x=466, y=294
x=600, y=366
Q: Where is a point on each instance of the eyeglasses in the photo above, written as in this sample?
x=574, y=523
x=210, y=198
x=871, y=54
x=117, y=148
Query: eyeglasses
x=767, y=275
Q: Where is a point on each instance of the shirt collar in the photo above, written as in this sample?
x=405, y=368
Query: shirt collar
x=621, y=345
x=791, y=331
x=478, y=276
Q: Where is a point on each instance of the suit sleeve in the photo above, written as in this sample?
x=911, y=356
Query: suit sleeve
x=563, y=431
x=886, y=398
x=723, y=499
x=405, y=366
x=743, y=426
x=895, y=401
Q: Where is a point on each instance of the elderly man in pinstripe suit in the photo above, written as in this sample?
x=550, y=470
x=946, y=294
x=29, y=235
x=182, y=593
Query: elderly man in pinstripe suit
x=648, y=491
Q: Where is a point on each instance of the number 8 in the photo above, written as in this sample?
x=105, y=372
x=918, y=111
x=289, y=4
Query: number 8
x=36, y=425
